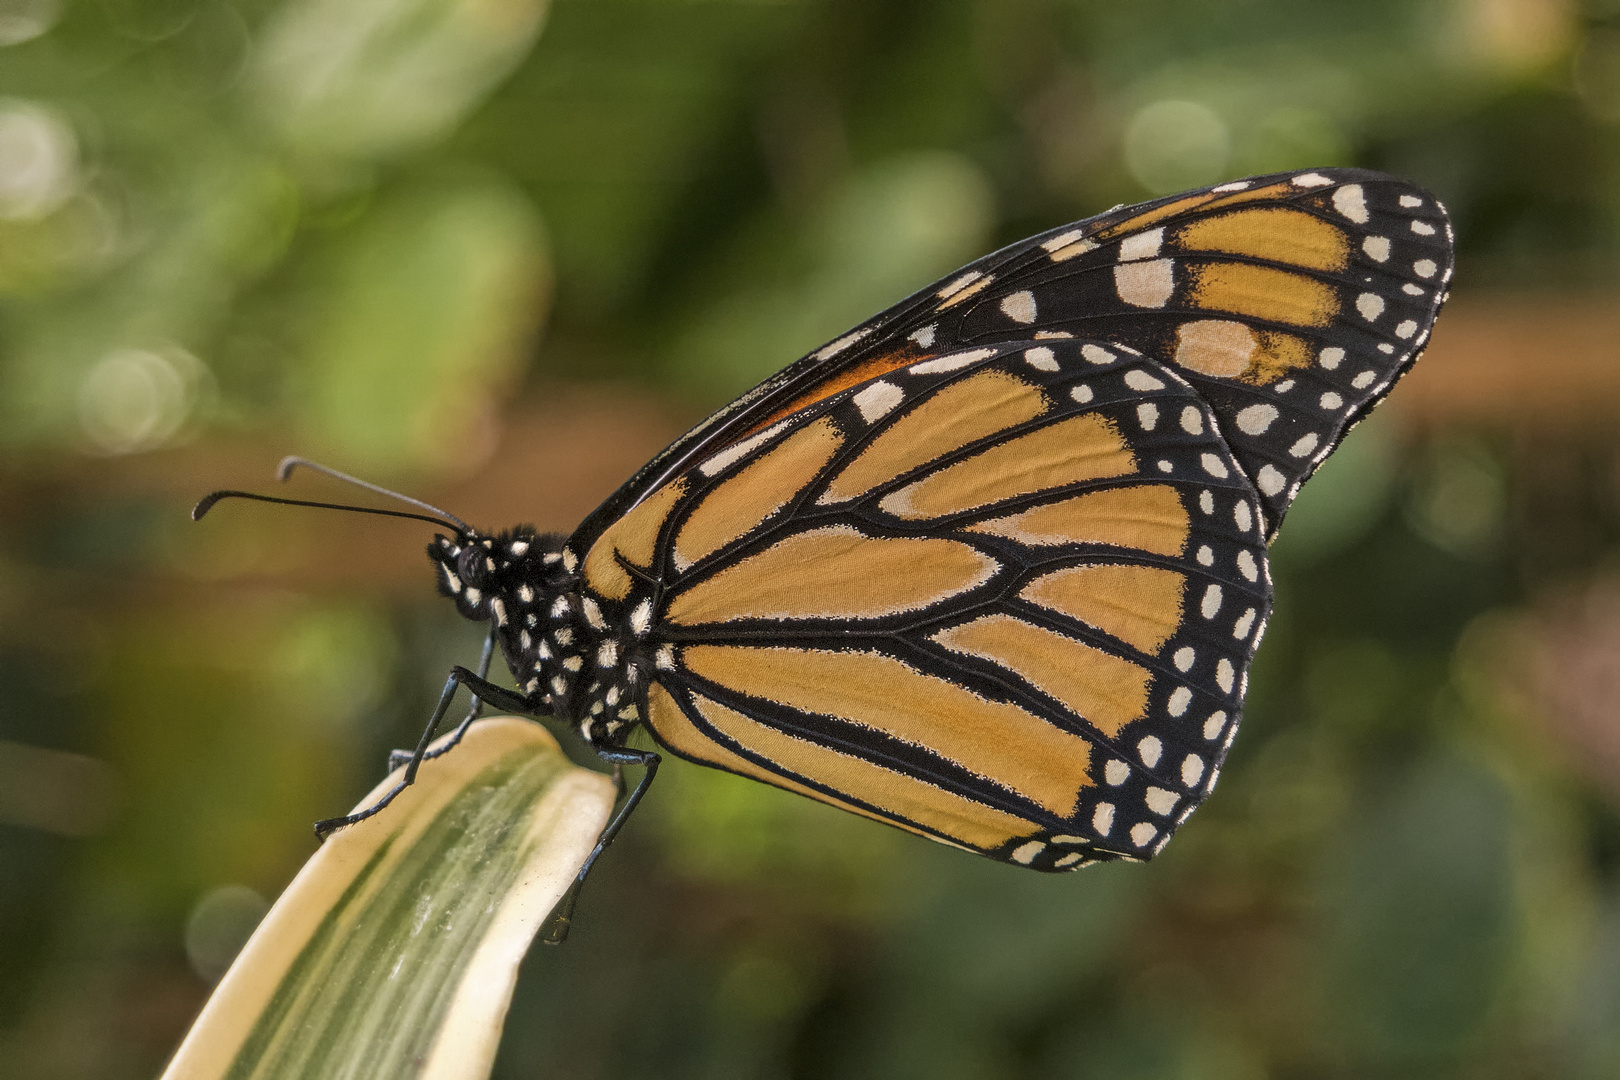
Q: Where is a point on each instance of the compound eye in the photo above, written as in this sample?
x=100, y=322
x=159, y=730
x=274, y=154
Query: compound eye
x=472, y=566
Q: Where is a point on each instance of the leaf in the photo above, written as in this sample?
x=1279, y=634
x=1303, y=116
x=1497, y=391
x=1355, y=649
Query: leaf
x=395, y=950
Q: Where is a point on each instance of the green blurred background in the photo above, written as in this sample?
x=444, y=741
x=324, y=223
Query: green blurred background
x=497, y=254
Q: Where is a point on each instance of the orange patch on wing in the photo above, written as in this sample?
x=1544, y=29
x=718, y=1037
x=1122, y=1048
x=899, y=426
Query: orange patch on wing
x=634, y=536
x=834, y=573
x=1279, y=234
x=1140, y=605
x=739, y=504
x=1108, y=691
x=675, y=730
x=1149, y=517
x=960, y=413
x=1086, y=447
x=1234, y=350
x=965, y=821
x=1262, y=292
x=1001, y=742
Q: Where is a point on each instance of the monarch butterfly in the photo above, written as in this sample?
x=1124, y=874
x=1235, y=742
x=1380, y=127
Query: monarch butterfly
x=990, y=567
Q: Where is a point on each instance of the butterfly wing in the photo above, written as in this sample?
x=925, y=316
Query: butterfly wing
x=1006, y=598
x=1291, y=302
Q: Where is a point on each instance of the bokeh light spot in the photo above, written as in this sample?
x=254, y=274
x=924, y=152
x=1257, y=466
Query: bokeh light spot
x=1170, y=145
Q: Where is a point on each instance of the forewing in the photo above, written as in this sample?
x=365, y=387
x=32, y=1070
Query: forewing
x=1005, y=597
x=1291, y=302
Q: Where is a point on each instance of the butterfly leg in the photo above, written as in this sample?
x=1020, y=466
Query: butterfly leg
x=459, y=676
x=396, y=758
x=562, y=915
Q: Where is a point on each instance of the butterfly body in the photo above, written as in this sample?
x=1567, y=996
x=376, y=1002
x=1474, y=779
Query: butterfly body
x=992, y=566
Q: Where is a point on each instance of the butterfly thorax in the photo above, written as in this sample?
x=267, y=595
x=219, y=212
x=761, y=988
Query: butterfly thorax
x=573, y=659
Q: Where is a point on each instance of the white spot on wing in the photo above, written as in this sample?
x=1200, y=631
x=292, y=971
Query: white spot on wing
x=1424, y=268
x=1141, y=246
x=959, y=284
x=1142, y=833
x=950, y=362
x=1184, y=657
x=1211, y=605
x=1145, y=284
x=1149, y=750
x=1192, y=421
x=1241, y=628
x=1247, y=566
x=925, y=336
x=1242, y=515
x=1040, y=358
x=1116, y=772
x=1214, y=466
x=1371, y=305
x=1192, y=770
x=1271, y=480
x=1019, y=307
x=1160, y=801
x=878, y=400
x=718, y=462
x=1096, y=354
x=1310, y=179
x=1411, y=201
x=1102, y=818
x=1406, y=329
x=1180, y=698
x=1214, y=725
x=1082, y=394
x=1024, y=854
x=1376, y=247
x=1147, y=414
x=1352, y=203
x=1331, y=401
x=1137, y=379
x=841, y=344
x=1423, y=228
x=1255, y=419
x=1225, y=675
x=1307, y=442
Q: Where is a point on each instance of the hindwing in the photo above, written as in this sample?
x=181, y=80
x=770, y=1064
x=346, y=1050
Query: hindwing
x=1005, y=597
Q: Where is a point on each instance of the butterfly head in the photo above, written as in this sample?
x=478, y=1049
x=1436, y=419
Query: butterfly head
x=485, y=574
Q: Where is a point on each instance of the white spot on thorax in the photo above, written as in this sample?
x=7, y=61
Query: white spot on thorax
x=641, y=618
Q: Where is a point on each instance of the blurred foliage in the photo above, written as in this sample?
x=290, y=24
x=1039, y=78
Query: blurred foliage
x=374, y=230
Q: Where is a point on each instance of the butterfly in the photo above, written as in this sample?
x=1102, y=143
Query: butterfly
x=991, y=567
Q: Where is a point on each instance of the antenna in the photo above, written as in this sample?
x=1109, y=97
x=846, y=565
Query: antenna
x=207, y=503
x=288, y=464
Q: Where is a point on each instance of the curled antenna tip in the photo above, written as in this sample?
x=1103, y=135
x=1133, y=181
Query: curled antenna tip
x=206, y=503
x=288, y=464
